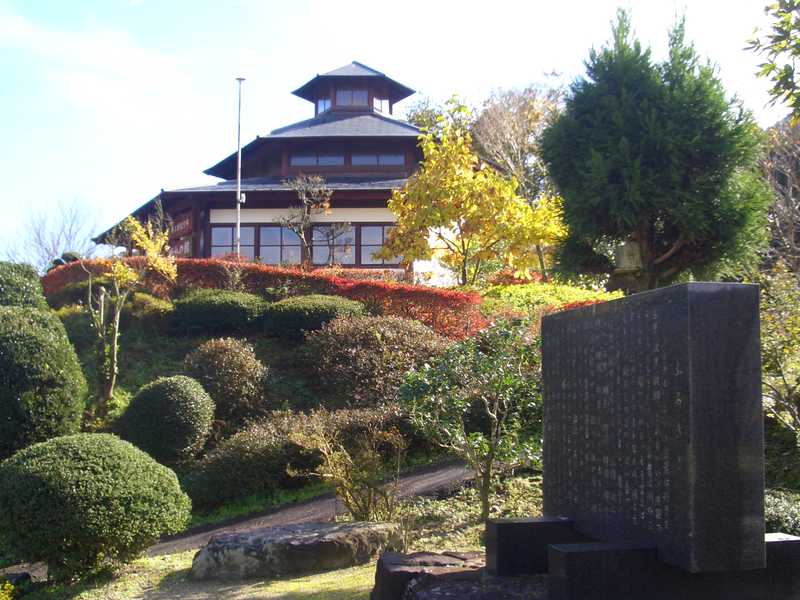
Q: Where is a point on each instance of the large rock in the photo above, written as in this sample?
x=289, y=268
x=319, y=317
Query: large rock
x=293, y=550
x=395, y=571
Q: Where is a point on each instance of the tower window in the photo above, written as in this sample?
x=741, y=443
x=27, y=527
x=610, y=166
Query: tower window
x=347, y=97
x=323, y=104
x=380, y=104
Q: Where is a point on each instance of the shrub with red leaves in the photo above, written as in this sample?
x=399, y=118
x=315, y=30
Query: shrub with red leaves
x=449, y=312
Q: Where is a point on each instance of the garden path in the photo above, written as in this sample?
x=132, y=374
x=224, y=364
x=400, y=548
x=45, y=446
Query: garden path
x=319, y=510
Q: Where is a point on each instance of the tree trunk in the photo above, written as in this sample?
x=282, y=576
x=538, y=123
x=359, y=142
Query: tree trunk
x=542, y=266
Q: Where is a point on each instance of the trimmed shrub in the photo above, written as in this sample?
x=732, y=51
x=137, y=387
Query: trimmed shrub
x=363, y=360
x=230, y=372
x=85, y=501
x=289, y=318
x=256, y=460
x=42, y=388
x=215, y=311
x=782, y=512
x=20, y=286
x=169, y=418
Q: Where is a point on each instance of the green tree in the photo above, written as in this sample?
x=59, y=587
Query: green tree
x=782, y=49
x=482, y=401
x=655, y=156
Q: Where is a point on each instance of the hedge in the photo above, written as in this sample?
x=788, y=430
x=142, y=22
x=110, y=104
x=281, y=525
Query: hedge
x=86, y=501
x=449, y=312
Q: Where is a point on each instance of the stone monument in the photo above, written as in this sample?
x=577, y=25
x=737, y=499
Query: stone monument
x=653, y=455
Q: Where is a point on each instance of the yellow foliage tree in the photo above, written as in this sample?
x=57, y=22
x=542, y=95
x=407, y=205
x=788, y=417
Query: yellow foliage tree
x=104, y=304
x=463, y=212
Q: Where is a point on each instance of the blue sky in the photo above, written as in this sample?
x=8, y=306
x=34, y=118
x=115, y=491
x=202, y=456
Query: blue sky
x=106, y=102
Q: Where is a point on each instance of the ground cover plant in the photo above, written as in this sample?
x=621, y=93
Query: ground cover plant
x=125, y=501
x=532, y=298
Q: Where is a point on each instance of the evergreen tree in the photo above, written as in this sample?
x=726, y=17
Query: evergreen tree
x=657, y=155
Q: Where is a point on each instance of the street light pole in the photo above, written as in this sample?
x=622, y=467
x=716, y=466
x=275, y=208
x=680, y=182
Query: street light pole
x=239, y=173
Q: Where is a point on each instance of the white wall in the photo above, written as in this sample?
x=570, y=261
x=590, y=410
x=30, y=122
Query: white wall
x=337, y=215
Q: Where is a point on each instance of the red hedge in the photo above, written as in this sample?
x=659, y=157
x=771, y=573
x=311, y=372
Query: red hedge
x=449, y=312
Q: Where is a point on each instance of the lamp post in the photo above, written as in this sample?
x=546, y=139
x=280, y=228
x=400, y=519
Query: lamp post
x=239, y=198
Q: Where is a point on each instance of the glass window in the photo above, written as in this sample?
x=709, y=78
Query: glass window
x=392, y=159
x=223, y=240
x=359, y=97
x=340, y=238
x=279, y=245
x=364, y=159
x=302, y=160
x=323, y=104
x=373, y=237
x=331, y=160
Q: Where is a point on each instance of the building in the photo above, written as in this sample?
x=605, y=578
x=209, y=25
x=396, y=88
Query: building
x=353, y=141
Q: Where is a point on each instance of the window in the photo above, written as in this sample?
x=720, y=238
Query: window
x=346, y=97
x=338, y=237
x=383, y=160
x=380, y=104
x=223, y=240
x=279, y=246
x=373, y=237
x=323, y=104
x=313, y=160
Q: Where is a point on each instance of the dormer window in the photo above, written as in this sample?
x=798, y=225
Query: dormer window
x=308, y=159
x=348, y=97
x=380, y=104
x=323, y=104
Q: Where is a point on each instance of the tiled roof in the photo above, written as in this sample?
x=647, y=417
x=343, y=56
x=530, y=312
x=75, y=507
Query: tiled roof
x=270, y=184
x=333, y=124
x=354, y=69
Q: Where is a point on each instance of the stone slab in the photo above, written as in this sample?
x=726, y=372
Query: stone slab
x=653, y=423
x=631, y=571
x=395, y=571
x=519, y=546
x=291, y=550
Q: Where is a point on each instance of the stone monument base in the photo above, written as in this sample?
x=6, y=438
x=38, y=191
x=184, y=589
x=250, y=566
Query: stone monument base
x=589, y=570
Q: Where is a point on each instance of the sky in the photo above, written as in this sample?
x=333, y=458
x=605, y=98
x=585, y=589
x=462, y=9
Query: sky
x=106, y=102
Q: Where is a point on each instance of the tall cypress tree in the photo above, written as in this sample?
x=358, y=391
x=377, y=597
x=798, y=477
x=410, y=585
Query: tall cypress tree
x=658, y=155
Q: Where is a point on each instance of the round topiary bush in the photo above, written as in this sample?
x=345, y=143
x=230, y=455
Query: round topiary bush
x=363, y=359
x=169, y=418
x=782, y=512
x=256, y=460
x=146, y=312
x=215, y=311
x=230, y=372
x=20, y=286
x=42, y=388
x=290, y=317
x=82, y=502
